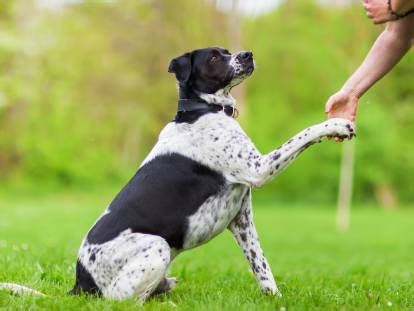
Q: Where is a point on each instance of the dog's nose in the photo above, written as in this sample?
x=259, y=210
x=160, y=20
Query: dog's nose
x=246, y=55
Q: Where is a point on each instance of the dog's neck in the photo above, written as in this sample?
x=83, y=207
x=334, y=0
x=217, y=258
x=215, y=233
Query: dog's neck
x=221, y=97
x=192, y=104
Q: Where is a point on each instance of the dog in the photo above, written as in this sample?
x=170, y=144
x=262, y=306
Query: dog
x=195, y=183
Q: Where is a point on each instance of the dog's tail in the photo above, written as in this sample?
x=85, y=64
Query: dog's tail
x=19, y=289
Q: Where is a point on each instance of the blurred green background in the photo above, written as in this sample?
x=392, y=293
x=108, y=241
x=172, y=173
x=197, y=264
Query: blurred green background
x=84, y=92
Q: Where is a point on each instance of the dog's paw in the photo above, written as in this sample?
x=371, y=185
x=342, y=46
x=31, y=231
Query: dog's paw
x=172, y=283
x=338, y=127
x=166, y=285
x=271, y=289
x=272, y=292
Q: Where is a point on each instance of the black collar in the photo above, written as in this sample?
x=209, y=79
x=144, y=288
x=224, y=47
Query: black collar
x=187, y=105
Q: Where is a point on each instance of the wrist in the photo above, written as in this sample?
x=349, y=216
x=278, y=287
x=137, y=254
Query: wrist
x=395, y=5
x=399, y=8
x=351, y=92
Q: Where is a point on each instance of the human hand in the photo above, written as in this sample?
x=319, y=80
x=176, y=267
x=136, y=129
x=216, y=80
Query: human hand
x=342, y=104
x=378, y=11
x=382, y=11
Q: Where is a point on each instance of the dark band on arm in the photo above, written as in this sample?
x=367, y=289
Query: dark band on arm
x=398, y=15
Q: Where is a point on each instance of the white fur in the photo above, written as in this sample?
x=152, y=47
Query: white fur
x=218, y=142
x=221, y=97
x=235, y=63
x=244, y=231
x=130, y=265
x=134, y=264
x=214, y=215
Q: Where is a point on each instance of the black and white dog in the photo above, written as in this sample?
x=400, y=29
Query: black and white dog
x=195, y=183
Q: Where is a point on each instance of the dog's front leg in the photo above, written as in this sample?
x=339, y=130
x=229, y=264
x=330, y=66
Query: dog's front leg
x=257, y=169
x=244, y=231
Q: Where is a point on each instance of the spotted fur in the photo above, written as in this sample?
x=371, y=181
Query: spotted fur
x=244, y=232
x=128, y=265
x=216, y=141
x=195, y=183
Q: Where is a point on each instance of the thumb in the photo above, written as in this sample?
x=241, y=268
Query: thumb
x=328, y=106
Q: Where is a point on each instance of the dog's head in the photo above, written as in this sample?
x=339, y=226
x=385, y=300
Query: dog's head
x=212, y=69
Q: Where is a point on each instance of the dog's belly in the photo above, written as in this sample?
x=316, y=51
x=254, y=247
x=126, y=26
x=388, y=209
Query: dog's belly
x=214, y=215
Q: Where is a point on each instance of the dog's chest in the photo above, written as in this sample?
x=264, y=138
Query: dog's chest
x=214, y=215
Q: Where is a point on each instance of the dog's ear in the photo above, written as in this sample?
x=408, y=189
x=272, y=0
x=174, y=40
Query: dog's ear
x=181, y=66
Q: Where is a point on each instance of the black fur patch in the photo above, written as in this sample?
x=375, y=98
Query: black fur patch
x=84, y=282
x=192, y=116
x=159, y=199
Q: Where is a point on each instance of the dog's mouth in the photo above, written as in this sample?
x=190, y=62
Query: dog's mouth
x=241, y=73
x=249, y=68
x=243, y=67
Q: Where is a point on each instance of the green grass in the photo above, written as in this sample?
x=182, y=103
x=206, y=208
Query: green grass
x=371, y=267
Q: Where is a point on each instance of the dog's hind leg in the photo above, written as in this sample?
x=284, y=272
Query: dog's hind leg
x=143, y=273
x=165, y=286
x=131, y=266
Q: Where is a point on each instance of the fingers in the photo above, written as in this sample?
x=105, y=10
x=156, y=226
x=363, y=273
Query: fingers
x=328, y=106
x=383, y=20
x=340, y=139
x=367, y=8
x=377, y=11
x=336, y=138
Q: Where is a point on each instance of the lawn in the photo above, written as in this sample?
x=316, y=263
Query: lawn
x=370, y=267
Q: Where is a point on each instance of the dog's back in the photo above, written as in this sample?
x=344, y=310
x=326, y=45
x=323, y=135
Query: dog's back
x=158, y=200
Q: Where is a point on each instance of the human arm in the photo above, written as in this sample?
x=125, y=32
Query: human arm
x=391, y=45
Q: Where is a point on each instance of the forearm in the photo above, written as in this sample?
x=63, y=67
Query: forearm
x=392, y=44
x=274, y=162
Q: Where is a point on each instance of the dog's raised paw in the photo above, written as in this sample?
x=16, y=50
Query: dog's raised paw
x=338, y=127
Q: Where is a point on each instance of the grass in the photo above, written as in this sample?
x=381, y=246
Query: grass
x=370, y=267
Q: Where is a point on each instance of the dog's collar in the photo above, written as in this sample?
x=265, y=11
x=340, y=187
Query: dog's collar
x=187, y=105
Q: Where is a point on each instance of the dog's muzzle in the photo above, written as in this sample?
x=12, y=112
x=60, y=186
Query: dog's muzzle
x=243, y=64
